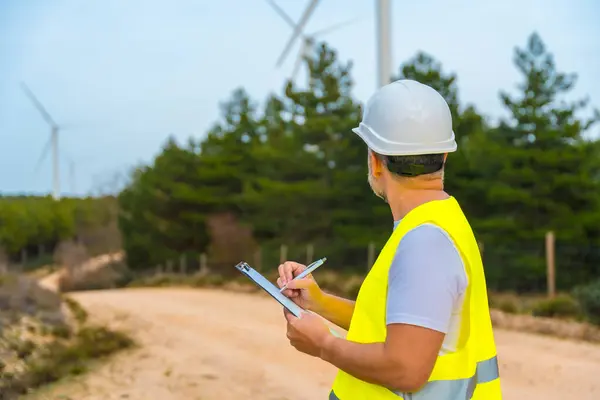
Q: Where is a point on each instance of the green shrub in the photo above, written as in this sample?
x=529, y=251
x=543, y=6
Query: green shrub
x=562, y=306
x=25, y=348
x=80, y=314
x=507, y=302
x=95, y=342
x=589, y=300
x=60, y=331
x=58, y=359
x=509, y=306
x=211, y=280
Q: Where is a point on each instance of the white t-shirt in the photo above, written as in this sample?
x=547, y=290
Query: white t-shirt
x=427, y=282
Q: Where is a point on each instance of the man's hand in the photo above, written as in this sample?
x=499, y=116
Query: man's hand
x=307, y=294
x=304, y=292
x=307, y=334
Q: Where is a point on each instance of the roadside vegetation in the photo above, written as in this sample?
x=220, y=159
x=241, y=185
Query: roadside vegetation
x=45, y=336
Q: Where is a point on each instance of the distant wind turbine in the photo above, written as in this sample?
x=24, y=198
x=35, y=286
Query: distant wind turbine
x=74, y=164
x=53, y=142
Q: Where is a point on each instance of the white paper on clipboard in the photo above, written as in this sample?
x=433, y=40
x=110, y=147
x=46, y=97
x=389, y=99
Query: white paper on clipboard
x=273, y=290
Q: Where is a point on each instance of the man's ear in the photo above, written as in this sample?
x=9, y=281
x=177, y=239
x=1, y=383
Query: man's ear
x=445, y=156
x=376, y=165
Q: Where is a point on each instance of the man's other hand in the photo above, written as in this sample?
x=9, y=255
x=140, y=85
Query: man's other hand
x=307, y=334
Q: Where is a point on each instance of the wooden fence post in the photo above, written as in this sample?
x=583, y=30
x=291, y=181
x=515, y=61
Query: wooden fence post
x=169, y=266
x=371, y=258
x=203, y=264
x=23, y=258
x=550, y=264
x=282, y=254
x=182, y=265
x=4, y=261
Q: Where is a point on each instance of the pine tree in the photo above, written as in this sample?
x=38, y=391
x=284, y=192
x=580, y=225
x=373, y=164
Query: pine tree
x=541, y=175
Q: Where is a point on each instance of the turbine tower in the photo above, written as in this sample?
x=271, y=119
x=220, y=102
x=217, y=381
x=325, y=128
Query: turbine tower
x=54, y=128
x=384, y=42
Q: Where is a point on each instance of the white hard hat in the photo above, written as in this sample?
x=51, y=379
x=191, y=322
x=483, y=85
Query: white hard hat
x=406, y=117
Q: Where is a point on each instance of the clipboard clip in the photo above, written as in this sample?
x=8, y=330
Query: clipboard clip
x=243, y=266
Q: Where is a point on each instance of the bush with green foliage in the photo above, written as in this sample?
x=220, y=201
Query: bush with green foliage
x=589, y=299
x=561, y=306
x=509, y=304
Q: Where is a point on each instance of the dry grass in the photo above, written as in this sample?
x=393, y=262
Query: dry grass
x=546, y=326
x=43, y=338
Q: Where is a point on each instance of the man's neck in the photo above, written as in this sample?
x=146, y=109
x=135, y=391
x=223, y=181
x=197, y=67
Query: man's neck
x=403, y=201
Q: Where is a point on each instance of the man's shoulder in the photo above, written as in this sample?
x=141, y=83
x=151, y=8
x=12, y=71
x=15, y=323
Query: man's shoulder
x=428, y=249
x=427, y=234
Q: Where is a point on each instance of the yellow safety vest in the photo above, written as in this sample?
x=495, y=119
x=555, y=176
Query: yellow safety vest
x=471, y=372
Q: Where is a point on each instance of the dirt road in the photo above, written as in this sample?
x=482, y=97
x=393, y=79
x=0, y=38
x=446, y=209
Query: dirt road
x=211, y=344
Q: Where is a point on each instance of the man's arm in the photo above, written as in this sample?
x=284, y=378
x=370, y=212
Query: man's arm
x=424, y=292
x=335, y=309
x=403, y=363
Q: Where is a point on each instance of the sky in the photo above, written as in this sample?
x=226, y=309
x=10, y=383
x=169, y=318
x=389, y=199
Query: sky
x=123, y=76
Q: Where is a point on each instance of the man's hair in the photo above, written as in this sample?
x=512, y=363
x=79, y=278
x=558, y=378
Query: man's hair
x=411, y=166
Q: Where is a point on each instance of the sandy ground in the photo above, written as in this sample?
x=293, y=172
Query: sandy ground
x=212, y=344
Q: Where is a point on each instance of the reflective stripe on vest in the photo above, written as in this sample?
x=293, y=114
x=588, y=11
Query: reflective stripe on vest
x=458, y=389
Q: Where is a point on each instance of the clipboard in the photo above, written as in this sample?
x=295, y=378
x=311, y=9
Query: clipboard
x=273, y=291
x=268, y=287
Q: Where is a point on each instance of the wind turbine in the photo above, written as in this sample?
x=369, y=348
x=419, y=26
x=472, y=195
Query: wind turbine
x=383, y=40
x=53, y=142
x=308, y=40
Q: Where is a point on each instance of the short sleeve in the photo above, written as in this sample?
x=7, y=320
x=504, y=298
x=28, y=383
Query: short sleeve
x=426, y=280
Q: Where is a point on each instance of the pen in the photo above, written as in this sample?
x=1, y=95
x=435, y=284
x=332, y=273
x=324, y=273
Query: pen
x=307, y=271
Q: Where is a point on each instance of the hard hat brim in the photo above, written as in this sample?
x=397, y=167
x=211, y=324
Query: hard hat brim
x=384, y=147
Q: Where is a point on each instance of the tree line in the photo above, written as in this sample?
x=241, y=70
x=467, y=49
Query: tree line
x=36, y=225
x=291, y=171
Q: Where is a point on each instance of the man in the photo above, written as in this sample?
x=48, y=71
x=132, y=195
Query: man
x=420, y=327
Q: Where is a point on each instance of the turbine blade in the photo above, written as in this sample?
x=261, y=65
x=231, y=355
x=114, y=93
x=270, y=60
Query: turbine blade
x=45, y=151
x=38, y=105
x=281, y=13
x=336, y=27
x=297, y=30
